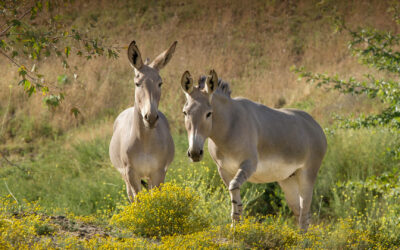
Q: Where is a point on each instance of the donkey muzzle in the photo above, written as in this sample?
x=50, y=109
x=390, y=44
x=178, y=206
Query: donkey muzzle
x=150, y=120
x=195, y=155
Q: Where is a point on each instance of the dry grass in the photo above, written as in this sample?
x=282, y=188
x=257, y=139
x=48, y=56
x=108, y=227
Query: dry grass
x=250, y=45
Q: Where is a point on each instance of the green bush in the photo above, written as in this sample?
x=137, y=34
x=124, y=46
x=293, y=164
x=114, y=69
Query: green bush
x=167, y=210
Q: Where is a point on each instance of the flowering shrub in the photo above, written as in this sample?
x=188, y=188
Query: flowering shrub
x=167, y=210
x=269, y=234
x=22, y=230
x=200, y=240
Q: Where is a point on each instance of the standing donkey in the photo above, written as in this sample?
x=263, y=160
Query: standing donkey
x=141, y=146
x=251, y=142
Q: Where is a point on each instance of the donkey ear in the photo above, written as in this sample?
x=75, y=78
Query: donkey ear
x=162, y=59
x=187, y=82
x=134, y=56
x=211, y=82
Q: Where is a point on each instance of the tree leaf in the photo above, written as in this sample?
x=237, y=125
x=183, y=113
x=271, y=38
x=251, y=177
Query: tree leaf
x=67, y=51
x=75, y=111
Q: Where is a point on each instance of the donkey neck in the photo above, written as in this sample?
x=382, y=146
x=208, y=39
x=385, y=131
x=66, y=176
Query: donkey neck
x=222, y=117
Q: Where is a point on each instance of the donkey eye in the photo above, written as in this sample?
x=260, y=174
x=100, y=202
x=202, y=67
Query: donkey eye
x=159, y=85
x=208, y=114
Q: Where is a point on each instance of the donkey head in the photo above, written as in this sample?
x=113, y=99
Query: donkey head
x=198, y=112
x=148, y=82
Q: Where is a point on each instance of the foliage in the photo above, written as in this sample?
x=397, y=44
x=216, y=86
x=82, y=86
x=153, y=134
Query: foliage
x=32, y=31
x=21, y=229
x=377, y=49
x=374, y=204
x=167, y=210
x=264, y=235
x=200, y=240
x=353, y=156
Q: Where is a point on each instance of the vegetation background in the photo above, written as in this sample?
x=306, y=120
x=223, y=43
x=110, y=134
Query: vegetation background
x=61, y=161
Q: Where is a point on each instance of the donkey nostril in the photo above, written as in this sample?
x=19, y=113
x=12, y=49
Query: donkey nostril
x=201, y=151
x=146, y=117
x=188, y=153
x=157, y=117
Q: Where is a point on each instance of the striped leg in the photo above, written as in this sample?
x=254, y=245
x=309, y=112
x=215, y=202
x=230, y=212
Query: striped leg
x=246, y=169
x=235, y=198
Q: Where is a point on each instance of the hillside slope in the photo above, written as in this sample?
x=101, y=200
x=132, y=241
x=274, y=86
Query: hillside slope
x=250, y=45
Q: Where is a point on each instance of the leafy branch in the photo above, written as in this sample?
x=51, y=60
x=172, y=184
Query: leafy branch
x=377, y=49
x=35, y=30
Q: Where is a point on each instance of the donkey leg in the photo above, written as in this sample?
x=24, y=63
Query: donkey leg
x=246, y=169
x=128, y=190
x=134, y=182
x=306, y=179
x=227, y=178
x=156, y=178
x=290, y=187
x=237, y=206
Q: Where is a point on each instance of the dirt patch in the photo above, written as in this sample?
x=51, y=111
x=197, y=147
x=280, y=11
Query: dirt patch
x=77, y=228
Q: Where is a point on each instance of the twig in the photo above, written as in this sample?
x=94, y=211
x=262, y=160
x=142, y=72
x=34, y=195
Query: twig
x=27, y=74
x=72, y=36
x=49, y=84
x=88, y=41
x=5, y=183
x=9, y=27
x=9, y=58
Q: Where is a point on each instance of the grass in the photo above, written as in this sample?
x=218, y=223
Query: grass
x=353, y=155
x=78, y=175
x=78, y=179
x=355, y=198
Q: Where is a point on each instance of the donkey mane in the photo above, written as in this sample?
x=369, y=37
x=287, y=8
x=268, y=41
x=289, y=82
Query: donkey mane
x=223, y=87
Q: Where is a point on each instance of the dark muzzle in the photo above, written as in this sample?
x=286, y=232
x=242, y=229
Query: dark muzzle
x=151, y=119
x=195, y=155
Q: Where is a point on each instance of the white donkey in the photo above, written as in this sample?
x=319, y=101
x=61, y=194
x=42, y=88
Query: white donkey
x=141, y=146
x=251, y=142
